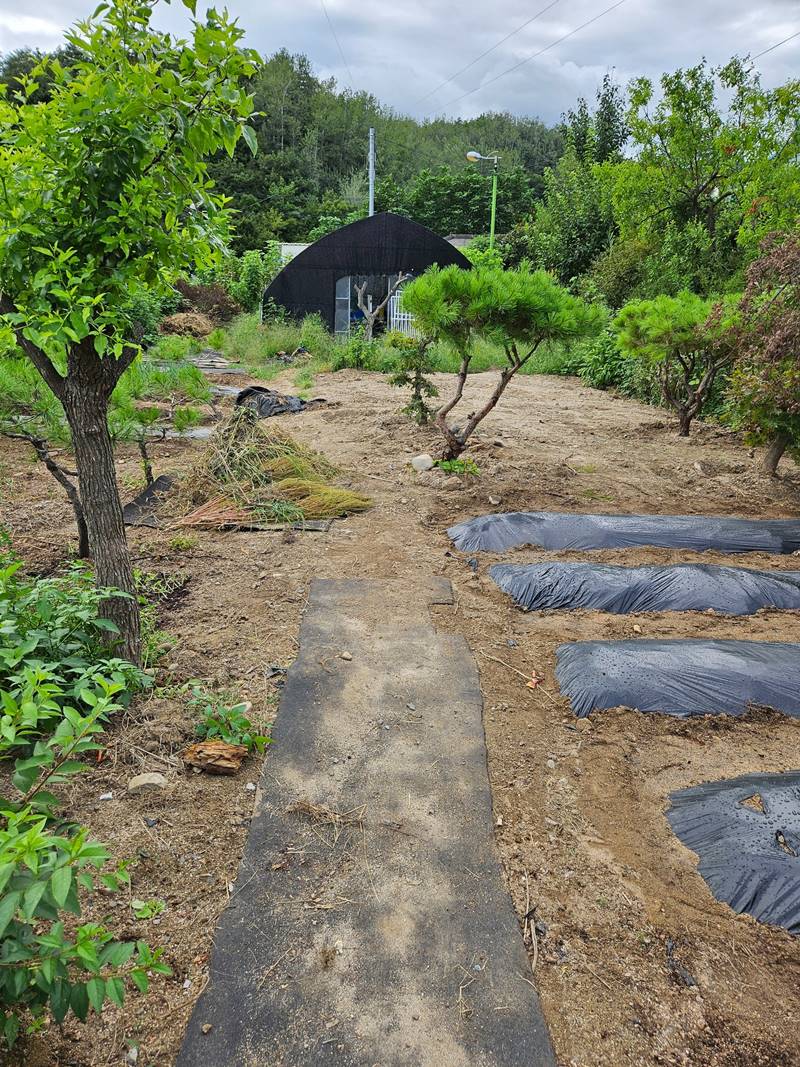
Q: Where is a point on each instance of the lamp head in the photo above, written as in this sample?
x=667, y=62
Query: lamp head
x=473, y=156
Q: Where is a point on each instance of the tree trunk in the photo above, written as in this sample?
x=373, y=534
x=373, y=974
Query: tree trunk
x=86, y=406
x=777, y=446
x=685, y=419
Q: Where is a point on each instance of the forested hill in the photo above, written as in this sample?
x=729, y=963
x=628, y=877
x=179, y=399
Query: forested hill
x=310, y=173
x=312, y=160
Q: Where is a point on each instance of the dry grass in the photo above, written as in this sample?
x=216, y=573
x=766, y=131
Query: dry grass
x=255, y=465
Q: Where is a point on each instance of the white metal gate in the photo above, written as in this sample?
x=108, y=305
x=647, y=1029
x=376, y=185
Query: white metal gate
x=400, y=320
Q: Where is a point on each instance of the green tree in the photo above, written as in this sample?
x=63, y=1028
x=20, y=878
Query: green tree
x=450, y=200
x=106, y=193
x=519, y=310
x=572, y=225
x=708, y=177
x=599, y=136
x=686, y=340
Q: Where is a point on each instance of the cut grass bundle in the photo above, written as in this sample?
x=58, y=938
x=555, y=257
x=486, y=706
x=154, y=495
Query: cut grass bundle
x=256, y=466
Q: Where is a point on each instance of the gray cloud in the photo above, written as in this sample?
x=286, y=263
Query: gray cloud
x=401, y=52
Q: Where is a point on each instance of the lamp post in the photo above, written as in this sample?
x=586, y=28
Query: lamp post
x=475, y=157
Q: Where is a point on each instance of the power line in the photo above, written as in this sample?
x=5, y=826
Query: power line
x=503, y=40
x=535, y=55
x=338, y=44
x=772, y=48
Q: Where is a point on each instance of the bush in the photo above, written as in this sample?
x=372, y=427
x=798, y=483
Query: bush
x=211, y=300
x=247, y=276
x=146, y=310
x=58, y=688
x=414, y=365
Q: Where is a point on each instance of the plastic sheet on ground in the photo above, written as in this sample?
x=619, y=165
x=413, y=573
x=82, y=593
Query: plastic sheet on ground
x=680, y=678
x=746, y=833
x=267, y=402
x=620, y=590
x=555, y=531
x=142, y=510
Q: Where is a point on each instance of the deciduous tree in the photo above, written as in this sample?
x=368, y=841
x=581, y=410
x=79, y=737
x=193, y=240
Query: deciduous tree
x=104, y=192
x=765, y=386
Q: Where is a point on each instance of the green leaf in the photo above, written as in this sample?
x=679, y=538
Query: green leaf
x=8, y=906
x=60, y=885
x=11, y=1028
x=97, y=993
x=139, y=979
x=79, y=1000
x=115, y=990
x=249, y=135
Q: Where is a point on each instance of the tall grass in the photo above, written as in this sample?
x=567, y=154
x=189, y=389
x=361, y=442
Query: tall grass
x=256, y=344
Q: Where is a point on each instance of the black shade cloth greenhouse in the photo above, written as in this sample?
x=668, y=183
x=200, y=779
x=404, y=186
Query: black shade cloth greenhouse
x=684, y=587
x=680, y=677
x=384, y=244
x=562, y=530
x=746, y=833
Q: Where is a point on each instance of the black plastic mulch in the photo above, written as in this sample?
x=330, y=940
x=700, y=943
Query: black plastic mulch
x=746, y=833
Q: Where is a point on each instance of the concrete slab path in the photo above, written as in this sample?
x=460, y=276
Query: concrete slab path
x=370, y=925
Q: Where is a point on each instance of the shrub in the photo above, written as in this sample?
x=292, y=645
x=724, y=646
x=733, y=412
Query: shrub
x=226, y=723
x=414, y=365
x=58, y=689
x=211, y=300
x=685, y=340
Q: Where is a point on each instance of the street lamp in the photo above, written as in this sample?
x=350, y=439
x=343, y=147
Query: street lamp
x=475, y=157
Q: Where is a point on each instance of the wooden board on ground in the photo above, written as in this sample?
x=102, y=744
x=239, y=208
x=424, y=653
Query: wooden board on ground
x=370, y=923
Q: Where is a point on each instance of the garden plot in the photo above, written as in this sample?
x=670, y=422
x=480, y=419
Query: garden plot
x=557, y=531
x=614, y=899
x=681, y=678
x=622, y=590
x=746, y=833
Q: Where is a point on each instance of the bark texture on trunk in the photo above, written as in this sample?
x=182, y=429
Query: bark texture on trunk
x=86, y=406
x=777, y=446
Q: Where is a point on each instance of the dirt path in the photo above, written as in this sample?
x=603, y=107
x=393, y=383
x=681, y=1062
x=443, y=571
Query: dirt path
x=578, y=806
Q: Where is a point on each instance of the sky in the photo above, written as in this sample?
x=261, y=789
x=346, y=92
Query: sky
x=403, y=52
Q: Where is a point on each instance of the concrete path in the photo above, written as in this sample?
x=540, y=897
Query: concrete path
x=370, y=926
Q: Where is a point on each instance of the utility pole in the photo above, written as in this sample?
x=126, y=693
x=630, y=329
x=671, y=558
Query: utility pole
x=494, y=204
x=371, y=170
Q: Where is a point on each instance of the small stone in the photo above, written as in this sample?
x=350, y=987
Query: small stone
x=411, y=706
x=151, y=823
x=584, y=725
x=106, y=796
x=495, y=500
x=637, y=628
x=498, y=444
x=143, y=782
x=403, y=500
x=453, y=482
x=132, y=1056
x=206, y=1028
x=423, y=462
x=347, y=656
x=551, y=764
x=250, y=787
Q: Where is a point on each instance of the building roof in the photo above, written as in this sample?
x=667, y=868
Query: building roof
x=383, y=244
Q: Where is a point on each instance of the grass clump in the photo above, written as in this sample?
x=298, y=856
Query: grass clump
x=263, y=470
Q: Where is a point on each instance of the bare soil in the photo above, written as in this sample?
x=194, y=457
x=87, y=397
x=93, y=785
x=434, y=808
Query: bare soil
x=579, y=806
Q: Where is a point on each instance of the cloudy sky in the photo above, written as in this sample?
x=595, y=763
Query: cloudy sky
x=403, y=52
